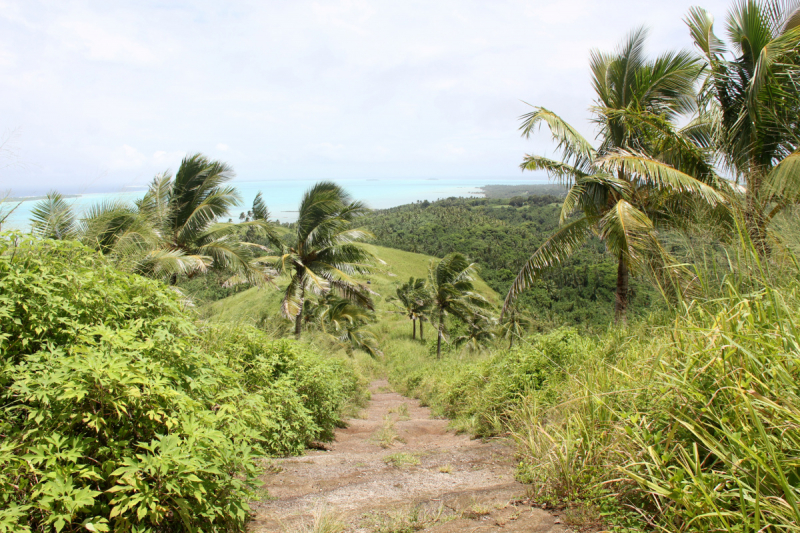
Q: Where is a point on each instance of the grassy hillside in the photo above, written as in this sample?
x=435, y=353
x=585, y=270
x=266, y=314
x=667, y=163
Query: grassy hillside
x=260, y=306
x=500, y=235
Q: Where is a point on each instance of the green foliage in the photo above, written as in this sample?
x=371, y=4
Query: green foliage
x=500, y=238
x=684, y=422
x=480, y=393
x=117, y=414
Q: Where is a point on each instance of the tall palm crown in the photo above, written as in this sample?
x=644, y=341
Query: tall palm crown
x=749, y=98
x=452, y=283
x=323, y=254
x=172, y=230
x=625, y=187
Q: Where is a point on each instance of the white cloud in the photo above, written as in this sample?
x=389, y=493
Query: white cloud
x=301, y=89
x=126, y=157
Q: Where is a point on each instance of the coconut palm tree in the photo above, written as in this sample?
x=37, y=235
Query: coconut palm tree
x=323, y=254
x=452, y=283
x=54, y=218
x=171, y=231
x=514, y=325
x=413, y=299
x=185, y=209
x=343, y=321
x=480, y=331
x=625, y=189
x=749, y=97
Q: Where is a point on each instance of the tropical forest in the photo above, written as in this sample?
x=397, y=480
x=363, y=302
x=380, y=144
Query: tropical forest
x=617, y=350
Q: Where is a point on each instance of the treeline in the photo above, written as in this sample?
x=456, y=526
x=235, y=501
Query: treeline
x=500, y=235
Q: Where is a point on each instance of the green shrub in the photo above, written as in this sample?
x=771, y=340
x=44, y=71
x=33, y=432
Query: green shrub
x=116, y=414
x=480, y=393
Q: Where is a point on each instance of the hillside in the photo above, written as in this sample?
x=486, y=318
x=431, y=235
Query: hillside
x=258, y=305
x=500, y=235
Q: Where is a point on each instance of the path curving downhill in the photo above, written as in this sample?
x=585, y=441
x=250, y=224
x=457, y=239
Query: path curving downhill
x=396, y=470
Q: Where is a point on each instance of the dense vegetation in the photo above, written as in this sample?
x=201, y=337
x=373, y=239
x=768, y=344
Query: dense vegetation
x=500, y=237
x=122, y=412
x=118, y=414
x=686, y=423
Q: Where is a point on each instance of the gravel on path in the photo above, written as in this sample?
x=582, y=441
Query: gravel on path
x=397, y=470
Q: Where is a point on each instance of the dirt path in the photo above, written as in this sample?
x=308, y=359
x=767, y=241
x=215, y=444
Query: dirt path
x=399, y=470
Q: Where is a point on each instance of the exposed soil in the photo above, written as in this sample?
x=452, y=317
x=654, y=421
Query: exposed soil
x=397, y=470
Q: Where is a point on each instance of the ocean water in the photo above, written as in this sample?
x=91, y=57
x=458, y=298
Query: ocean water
x=283, y=197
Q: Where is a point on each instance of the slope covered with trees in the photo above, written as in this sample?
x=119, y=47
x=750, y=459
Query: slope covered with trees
x=500, y=237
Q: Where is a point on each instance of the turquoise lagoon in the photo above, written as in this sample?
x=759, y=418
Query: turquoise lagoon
x=283, y=196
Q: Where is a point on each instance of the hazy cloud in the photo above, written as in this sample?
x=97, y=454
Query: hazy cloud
x=108, y=94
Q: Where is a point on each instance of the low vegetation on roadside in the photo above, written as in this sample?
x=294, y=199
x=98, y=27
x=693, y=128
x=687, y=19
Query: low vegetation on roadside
x=118, y=413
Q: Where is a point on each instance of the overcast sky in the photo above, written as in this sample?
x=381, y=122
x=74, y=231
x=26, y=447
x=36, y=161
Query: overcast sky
x=102, y=95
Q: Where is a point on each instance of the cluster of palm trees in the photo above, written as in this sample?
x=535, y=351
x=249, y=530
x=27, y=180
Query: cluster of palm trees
x=173, y=230
x=450, y=291
x=648, y=174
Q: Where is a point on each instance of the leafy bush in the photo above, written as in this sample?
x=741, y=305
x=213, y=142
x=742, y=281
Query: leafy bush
x=117, y=414
x=481, y=394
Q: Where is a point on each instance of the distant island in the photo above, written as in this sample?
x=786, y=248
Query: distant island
x=31, y=198
x=510, y=191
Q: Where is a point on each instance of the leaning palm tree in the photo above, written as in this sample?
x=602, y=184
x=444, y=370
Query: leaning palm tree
x=452, y=283
x=344, y=322
x=323, y=254
x=413, y=298
x=750, y=100
x=172, y=230
x=624, y=189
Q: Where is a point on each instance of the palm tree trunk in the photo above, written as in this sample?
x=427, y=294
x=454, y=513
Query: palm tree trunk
x=414, y=329
x=621, y=303
x=755, y=219
x=439, y=339
x=421, y=337
x=298, y=320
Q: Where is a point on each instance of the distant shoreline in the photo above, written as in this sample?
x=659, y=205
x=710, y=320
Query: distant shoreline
x=32, y=198
x=529, y=189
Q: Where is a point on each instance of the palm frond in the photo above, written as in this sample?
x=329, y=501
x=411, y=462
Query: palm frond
x=575, y=149
x=53, y=218
x=646, y=171
x=627, y=232
x=553, y=251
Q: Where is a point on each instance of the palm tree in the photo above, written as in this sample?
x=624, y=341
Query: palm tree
x=54, y=218
x=414, y=301
x=514, y=325
x=324, y=254
x=344, y=322
x=452, y=282
x=749, y=99
x=185, y=208
x=480, y=331
x=624, y=188
x=172, y=230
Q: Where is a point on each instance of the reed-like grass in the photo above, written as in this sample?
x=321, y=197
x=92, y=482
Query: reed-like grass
x=687, y=421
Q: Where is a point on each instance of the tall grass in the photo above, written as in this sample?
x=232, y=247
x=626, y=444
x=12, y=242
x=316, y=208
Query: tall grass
x=687, y=421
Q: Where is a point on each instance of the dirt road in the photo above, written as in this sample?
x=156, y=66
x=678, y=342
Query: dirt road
x=399, y=470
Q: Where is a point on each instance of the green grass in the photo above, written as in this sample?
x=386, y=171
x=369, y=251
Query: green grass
x=261, y=306
x=401, y=459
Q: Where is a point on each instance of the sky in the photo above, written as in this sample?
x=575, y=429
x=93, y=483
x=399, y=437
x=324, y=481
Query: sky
x=102, y=95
